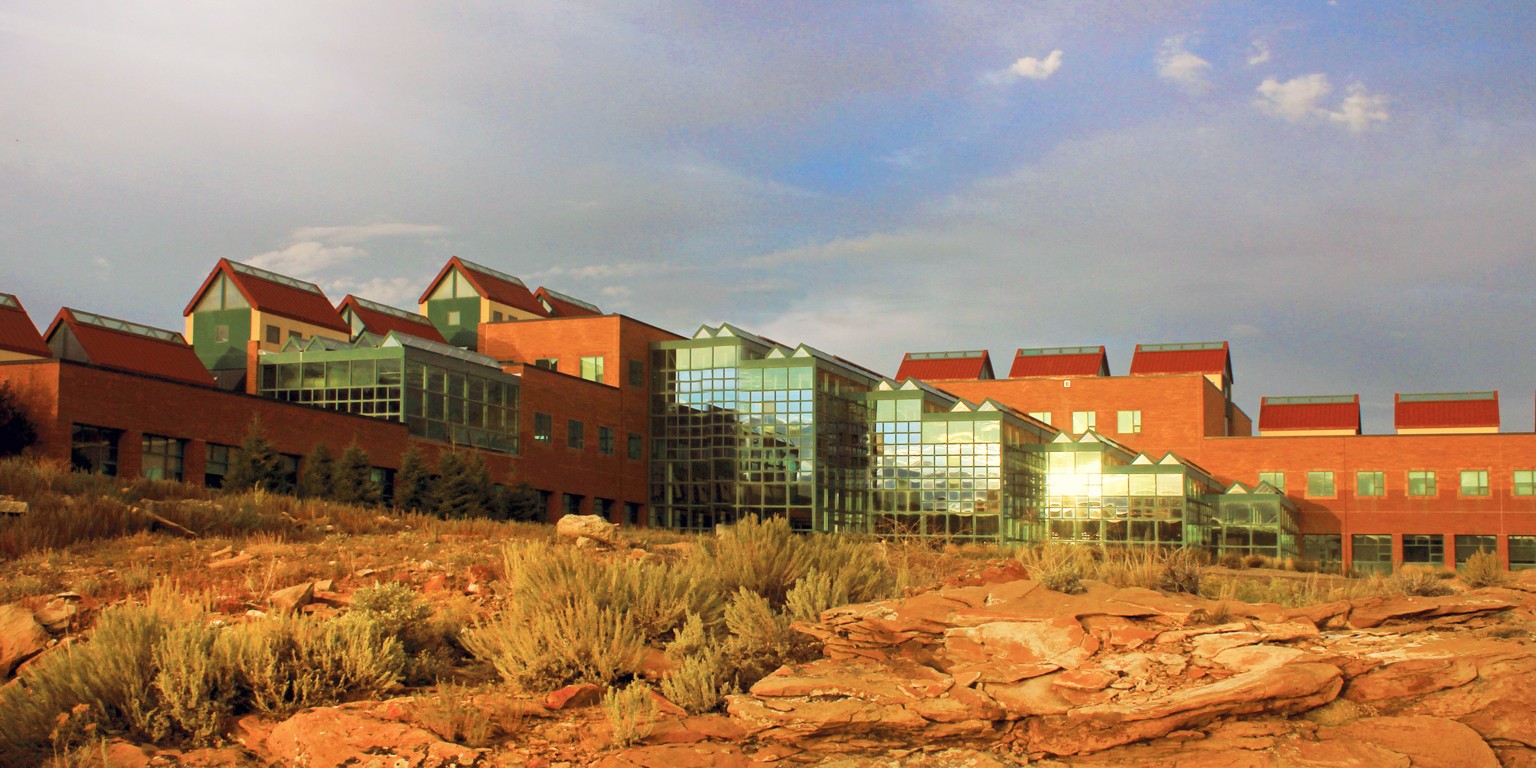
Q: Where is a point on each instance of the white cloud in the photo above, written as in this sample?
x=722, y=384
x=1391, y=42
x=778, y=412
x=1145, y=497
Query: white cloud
x=1258, y=53
x=1177, y=65
x=1304, y=98
x=399, y=292
x=1033, y=68
x=305, y=257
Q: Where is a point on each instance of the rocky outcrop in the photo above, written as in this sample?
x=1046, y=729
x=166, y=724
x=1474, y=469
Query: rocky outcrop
x=591, y=529
x=21, y=637
x=351, y=736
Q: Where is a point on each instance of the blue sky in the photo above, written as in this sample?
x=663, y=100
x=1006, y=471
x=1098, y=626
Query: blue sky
x=1344, y=190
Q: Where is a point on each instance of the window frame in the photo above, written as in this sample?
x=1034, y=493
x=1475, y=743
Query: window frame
x=1426, y=492
x=543, y=428
x=635, y=449
x=1482, y=491
x=1280, y=486
x=1135, y=418
x=1322, y=474
x=605, y=440
x=576, y=434
x=1530, y=482
x=592, y=368
x=1088, y=419
x=636, y=373
x=1381, y=484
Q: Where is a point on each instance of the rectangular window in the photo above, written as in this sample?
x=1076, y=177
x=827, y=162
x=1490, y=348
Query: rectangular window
x=575, y=434
x=1082, y=421
x=497, y=317
x=1525, y=482
x=547, y=363
x=1325, y=549
x=1474, y=482
x=605, y=441
x=1467, y=546
x=571, y=504
x=216, y=466
x=1130, y=422
x=636, y=373
x=592, y=368
x=1277, y=479
x=543, y=427
x=1421, y=483
x=1372, y=552
x=1522, y=552
x=274, y=335
x=161, y=457
x=1320, y=484
x=94, y=449
x=454, y=317
x=602, y=507
x=1044, y=416
x=221, y=334
x=1424, y=549
x=635, y=447
x=1370, y=484
x=631, y=513
x=295, y=336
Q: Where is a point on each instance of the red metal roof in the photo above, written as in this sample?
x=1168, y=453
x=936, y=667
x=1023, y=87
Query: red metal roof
x=1446, y=410
x=1209, y=357
x=1333, y=412
x=945, y=365
x=561, y=305
x=380, y=319
x=17, y=333
x=164, y=353
x=277, y=294
x=1060, y=361
x=490, y=285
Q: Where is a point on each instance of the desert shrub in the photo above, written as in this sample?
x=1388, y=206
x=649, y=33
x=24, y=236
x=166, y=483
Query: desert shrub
x=449, y=714
x=1231, y=560
x=1181, y=571
x=398, y=611
x=1417, y=582
x=700, y=678
x=760, y=639
x=816, y=592
x=289, y=663
x=631, y=711
x=1059, y=567
x=194, y=683
x=1483, y=569
x=767, y=557
x=542, y=649
x=1257, y=561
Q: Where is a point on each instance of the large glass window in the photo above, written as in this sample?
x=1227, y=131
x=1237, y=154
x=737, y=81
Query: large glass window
x=1370, y=484
x=1276, y=479
x=1522, y=552
x=94, y=449
x=1421, y=483
x=1042, y=416
x=1474, y=482
x=1424, y=549
x=543, y=427
x=1082, y=421
x=605, y=441
x=1130, y=422
x=1372, y=552
x=1320, y=485
x=575, y=434
x=1467, y=546
x=592, y=368
x=1325, y=549
x=161, y=457
x=216, y=466
x=1525, y=482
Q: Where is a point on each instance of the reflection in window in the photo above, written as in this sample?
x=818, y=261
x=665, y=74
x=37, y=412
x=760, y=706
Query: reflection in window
x=161, y=457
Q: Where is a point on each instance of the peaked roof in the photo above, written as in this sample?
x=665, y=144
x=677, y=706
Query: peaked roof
x=1059, y=361
x=968, y=364
x=1446, y=410
x=558, y=304
x=492, y=284
x=17, y=333
x=381, y=319
x=127, y=346
x=1209, y=357
x=277, y=294
x=1317, y=412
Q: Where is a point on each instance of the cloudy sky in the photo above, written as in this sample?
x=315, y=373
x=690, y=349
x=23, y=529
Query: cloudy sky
x=1344, y=190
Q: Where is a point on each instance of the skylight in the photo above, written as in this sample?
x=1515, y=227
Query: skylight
x=388, y=310
x=1047, y=351
x=246, y=269
x=571, y=300
x=114, y=324
x=9, y=301
x=958, y=355
x=496, y=273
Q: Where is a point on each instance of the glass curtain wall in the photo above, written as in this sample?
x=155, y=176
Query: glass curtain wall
x=1256, y=522
x=1096, y=493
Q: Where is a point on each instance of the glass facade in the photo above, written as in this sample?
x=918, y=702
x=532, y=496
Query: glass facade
x=440, y=392
x=1097, y=491
x=94, y=449
x=1372, y=553
x=1253, y=522
x=161, y=457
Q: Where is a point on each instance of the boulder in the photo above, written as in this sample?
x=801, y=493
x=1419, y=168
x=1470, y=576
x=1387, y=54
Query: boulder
x=593, y=527
x=333, y=737
x=292, y=599
x=21, y=637
x=572, y=696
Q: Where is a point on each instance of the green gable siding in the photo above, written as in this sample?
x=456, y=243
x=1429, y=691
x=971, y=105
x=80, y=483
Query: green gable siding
x=221, y=355
x=464, y=333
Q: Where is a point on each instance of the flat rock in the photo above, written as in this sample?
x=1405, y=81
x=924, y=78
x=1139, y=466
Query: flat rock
x=21, y=637
x=592, y=527
x=291, y=599
x=343, y=737
x=702, y=755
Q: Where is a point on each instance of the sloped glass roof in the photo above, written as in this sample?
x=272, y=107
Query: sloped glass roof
x=137, y=329
x=246, y=269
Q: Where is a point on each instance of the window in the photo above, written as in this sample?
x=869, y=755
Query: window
x=1277, y=479
x=1320, y=484
x=1130, y=422
x=1522, y=552
x=543, y=427
x=1082, y=421
x=1424, y=549
x=496, y=317
x=634, y=446
x=1372, y=552
x=1525, y=482
x=94, y=449
x=274, y=335
x=636, y=373
x=295, y=336
x=1325, y=549
x=454, y=317
x=592, y=368
x=161, y=457
x=571, y=504
x=1467, y=546
x=547, y=363
x=602, y=508
x=575, y=434
x=1421, y=483
x=1044, y=416
x=631, y=513
x=1370, y=484
x=1474, y=482
x=216, y=466
x=221, y=334
x=605, y=441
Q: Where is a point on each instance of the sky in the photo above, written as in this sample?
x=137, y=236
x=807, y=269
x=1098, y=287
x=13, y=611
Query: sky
x=1345, y=191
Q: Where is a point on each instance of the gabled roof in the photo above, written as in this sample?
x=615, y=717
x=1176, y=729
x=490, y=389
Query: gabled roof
x=968, y=364
x=492, y=284
x=1316, y=412
x=17, y=333
x=381, y=319
x=1208, y=357
x=127, y=346
x=276, y=294
x=1059, y=361
x=1446, y=410
x=558, y=304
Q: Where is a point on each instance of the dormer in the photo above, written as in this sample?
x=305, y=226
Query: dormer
x=364, y=316
x=1439, y=413
x=239, y=303
x=19, y=339
x=1073, y=362
x=1311, y=415
x=966, y=364
x=465, y=294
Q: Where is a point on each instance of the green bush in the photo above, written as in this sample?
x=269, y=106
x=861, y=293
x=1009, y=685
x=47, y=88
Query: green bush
x=540, y=650
x=315, y=474
x=1483, y=569
x=352, y=479
x=766, y=557
x=413, y=483
x=700, y=677
x=632, y=713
